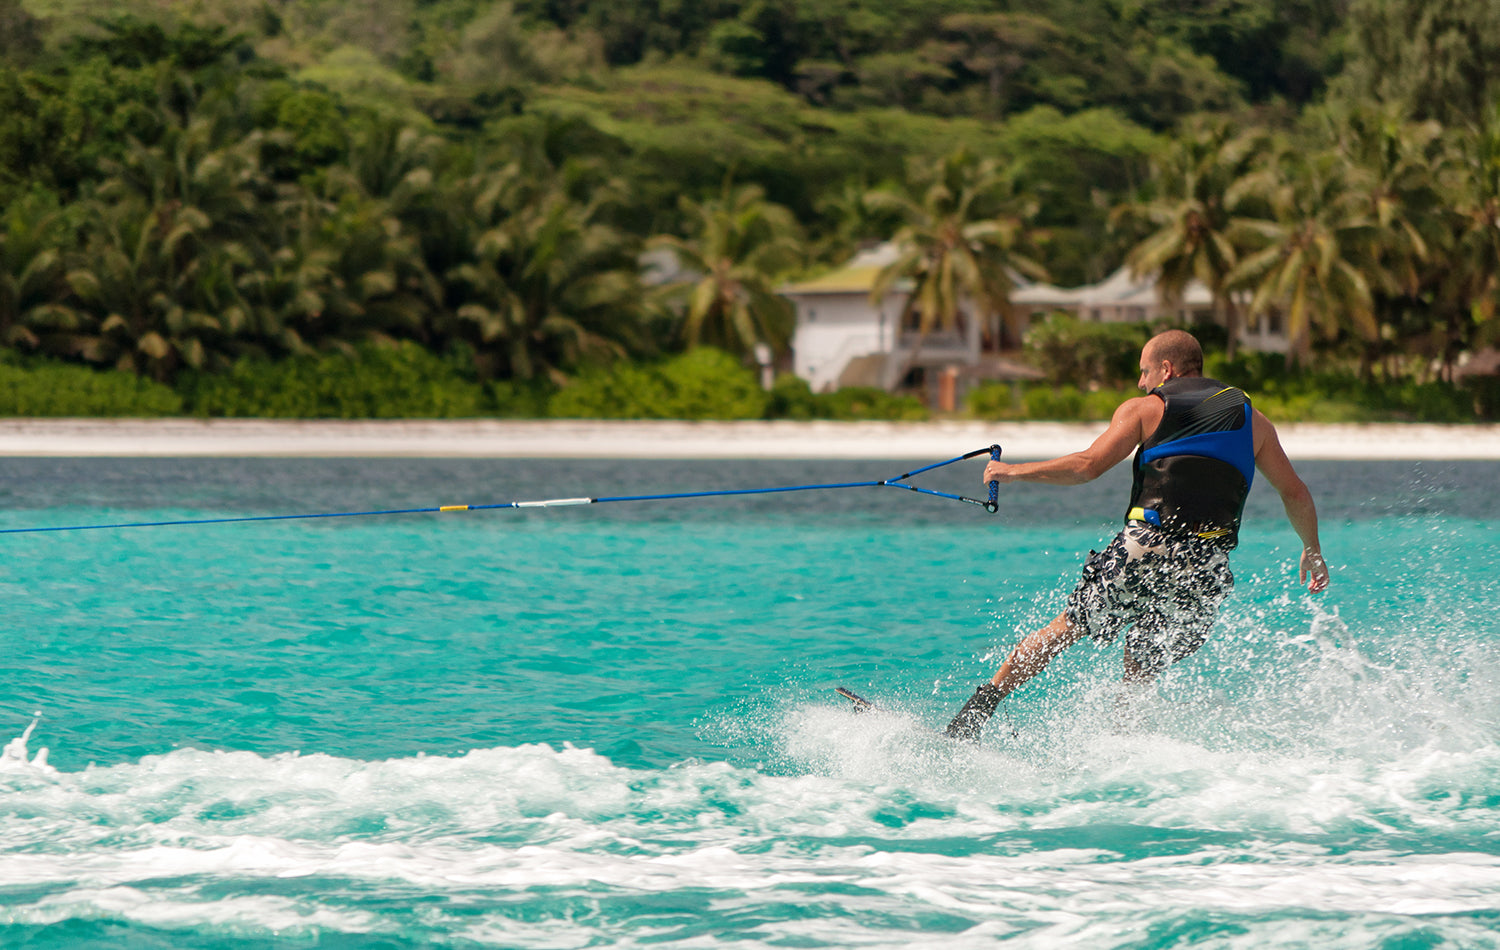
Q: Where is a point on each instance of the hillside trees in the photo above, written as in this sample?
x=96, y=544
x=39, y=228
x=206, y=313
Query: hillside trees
x=549, y=285
x=963, y=238
x=1310, y=256
x=1191, y=226
x=738, y=244
x=1437, y=59
x=181, y=194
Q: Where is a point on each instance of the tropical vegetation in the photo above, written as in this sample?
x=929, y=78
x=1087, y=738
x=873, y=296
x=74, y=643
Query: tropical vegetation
x=459, y=207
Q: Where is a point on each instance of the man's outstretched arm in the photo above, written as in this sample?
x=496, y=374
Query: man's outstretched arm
x=1271, y=460
x=1132, y=421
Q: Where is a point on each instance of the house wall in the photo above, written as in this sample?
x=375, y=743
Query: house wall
x=833, y=329
x=1266, y=333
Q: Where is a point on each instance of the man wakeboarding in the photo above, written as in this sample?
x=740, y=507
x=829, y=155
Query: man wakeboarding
x=1197, y=444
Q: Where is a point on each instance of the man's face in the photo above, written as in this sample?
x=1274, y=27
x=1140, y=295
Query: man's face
x=1154, y=371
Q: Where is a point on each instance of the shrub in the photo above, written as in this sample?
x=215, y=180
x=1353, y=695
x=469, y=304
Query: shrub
x=1485, y=391
x=516, y=399
x=44, y=388
x=703, y=383
x=1074, y=353
x=996, y=401
x=403, y=381
x=1066, y=403
x=865, y=402
x=1063, y=404
x=793, y=398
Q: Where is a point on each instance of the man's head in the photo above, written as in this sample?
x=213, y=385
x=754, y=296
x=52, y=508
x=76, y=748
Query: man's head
x=1169, y=355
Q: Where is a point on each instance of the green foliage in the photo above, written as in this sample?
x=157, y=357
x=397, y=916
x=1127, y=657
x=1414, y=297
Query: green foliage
x=192, y=187
x=518, y=399
x=1074, y=353
x=964, y=232
x=46, y=388
x=791, y=398
x=703, y=383
x=999, y=401
x=56, y=130
x=373, y=382
x=133, y=42
x=864, y=402
x=1438, y=59
x=995, y=401
x=1304, y=395
x=740, y=244
x=1485, y=391
x=1070, y=403
x=20, y=34
x=315, y=123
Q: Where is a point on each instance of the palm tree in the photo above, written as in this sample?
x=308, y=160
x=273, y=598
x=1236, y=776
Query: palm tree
x=964, y=229
x=1395, y=165
x=35, y=304
x=549, y=286
x=290, y=289
x=1468, y=289
x=854, y=221
x=174, y=227
x=739, y=244
x=1192, y=221
x=1313, y=259
x=344, y=271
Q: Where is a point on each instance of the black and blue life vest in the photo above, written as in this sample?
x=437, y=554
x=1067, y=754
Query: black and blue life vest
x=1193, y=474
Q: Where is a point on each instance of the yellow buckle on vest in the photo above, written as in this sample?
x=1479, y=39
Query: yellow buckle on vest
x=1140, y=514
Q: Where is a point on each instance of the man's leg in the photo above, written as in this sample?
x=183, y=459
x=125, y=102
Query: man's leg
x=1029, y=658
x=1135, y=673
x=1140, y=674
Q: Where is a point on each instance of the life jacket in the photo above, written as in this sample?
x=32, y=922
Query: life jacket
x=1193, y=474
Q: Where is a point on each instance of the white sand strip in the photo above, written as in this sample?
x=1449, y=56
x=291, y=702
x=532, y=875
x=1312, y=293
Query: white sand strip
x=585, y=439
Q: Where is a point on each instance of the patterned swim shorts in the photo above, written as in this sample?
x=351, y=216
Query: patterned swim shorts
x=1166, y=588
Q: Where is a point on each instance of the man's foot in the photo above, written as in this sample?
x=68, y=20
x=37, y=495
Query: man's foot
x=976, y=712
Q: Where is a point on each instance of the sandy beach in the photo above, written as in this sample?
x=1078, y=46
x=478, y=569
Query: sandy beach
x=491, y=438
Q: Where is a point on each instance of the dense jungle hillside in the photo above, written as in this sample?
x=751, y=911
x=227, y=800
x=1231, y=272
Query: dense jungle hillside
x=218, y=199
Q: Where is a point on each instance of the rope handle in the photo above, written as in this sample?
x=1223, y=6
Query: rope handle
x=993, y=505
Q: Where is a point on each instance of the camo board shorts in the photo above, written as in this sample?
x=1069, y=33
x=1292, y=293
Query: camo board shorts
x=1166, y=588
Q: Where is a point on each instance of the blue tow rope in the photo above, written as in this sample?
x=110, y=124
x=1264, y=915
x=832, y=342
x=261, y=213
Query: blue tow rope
x=899, y=481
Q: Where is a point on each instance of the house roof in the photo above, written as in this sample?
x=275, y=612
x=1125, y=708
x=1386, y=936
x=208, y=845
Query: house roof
x=1119, y=289
x=855, y=277
x=845, y=280
x=1046, y=295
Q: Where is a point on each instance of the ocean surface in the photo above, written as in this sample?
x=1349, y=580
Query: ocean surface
x=615, y=725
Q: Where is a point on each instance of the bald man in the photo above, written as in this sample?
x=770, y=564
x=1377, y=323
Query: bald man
x=1197, y=444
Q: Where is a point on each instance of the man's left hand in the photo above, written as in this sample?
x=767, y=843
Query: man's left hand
x=1314, y=571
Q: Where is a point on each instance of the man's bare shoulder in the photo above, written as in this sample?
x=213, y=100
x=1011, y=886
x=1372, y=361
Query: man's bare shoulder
x=1140, y=414
x=1263, y=431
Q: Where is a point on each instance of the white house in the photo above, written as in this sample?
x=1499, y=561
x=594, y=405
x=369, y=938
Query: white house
x=843, y=339
x=1122, y=298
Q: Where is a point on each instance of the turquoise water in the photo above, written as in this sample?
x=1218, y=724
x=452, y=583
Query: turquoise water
x=614, y=725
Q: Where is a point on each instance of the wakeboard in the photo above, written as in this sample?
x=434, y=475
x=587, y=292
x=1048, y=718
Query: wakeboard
x=860, y=703
x=864, y=705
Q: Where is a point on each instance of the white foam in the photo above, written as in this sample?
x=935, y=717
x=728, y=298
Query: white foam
x=13, y=756
x=1278, y=819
